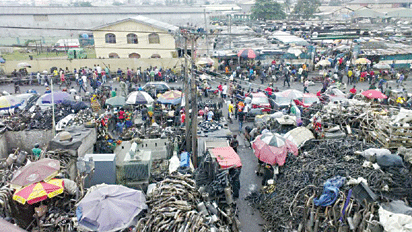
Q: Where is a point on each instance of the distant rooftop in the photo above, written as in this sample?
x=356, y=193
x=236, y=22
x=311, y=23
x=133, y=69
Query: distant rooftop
x=33, y=10
x=144, y=20
x=380, y=1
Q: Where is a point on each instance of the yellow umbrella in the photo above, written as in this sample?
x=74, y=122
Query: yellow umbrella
x=362, y=61
x=39, y=191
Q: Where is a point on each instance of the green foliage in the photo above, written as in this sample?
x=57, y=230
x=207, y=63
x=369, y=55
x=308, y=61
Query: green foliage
x=306, y=8
x=82, y=4
x=117, y=4
x=267, y=10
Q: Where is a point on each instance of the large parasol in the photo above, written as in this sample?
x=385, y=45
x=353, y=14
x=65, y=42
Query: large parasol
x=374, y=94
x=247, y=54
x=292, y=94
x=170, y=97
x=273, y=148
x=44, y=169
x=39, y=191
x=110, y=208
x=139, y=97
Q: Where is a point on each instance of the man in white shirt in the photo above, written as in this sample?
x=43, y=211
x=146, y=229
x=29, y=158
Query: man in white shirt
x=210, y=115
x=224, y=91
x=99, y=69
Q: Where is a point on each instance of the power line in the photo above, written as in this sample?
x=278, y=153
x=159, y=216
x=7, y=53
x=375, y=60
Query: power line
x=130, y=31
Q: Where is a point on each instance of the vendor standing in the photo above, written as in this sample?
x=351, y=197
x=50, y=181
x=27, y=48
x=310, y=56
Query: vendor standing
x=234, y=143
x=36, y=151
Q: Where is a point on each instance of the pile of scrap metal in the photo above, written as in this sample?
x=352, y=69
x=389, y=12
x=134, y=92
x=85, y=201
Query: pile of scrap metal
x=41, y=119
x=81, y=118
x=334, y=185
x=382, y=125
x=176, y=205
x=26, y=199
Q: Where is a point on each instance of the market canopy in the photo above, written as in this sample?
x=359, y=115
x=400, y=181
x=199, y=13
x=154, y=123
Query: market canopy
x=226, y=157
x=170, y=97
x=139, y=97
x=117, y=101
x=273, y=148
x=58, y=97
x=44, y=169
x=247, y=53
x=9, y=101
x=323, y=63
x=205, y=61
x=110, y=208
x=39, y=191
x=374, y=94
x=362, y=61
x=292, y=93
x=23, y=65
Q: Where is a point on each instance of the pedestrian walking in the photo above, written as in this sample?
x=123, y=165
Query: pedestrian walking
x=234, y=143
x=241, y=116
x=305, y=86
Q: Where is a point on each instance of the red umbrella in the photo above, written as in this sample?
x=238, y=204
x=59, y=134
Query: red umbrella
x=43, y=169
x=247, y=53
x=273, y=148
x=375, y=94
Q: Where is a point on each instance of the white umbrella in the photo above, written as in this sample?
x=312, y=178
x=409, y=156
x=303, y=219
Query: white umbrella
x=323, y=63
x=382, y=66
x=139, y=97
x=292, y=94
x=205, y=61
x=23, y=65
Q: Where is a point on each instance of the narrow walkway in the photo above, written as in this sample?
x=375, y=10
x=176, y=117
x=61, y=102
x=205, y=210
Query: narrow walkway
x=248, y=216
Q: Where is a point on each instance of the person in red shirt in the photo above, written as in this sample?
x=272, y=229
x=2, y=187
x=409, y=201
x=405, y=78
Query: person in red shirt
x=352, y=92
x=182, y=119
x=121, y=114
x=273, y=62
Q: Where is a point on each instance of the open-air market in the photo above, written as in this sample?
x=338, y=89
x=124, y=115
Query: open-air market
x=200, y=115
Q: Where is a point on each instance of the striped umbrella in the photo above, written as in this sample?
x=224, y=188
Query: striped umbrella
x=170, y=97
x=39, y=191
x=247, y=53
x=9, y=101
x=139, y=97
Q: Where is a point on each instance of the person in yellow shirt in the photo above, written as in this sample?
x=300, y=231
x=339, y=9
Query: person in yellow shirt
x=350, y=75
x=400, y=101
x=230, y=111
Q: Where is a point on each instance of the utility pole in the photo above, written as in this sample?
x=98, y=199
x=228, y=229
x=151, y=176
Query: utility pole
x=207, y=37
x=187, y=107
x=194, y=104
x=230, y=31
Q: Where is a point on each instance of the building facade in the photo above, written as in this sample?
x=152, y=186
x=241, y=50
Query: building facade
x=137, y=37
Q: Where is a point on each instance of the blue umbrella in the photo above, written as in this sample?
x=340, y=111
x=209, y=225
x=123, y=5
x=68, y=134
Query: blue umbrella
x=2, y=60
x=110, y=208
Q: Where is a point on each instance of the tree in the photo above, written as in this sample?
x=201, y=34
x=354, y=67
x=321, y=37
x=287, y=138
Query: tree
x=267, y=10
x=306, y=8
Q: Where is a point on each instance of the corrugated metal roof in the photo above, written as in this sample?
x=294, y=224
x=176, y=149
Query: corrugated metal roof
x=380, y=1
x=15, y=10
x=144, y=20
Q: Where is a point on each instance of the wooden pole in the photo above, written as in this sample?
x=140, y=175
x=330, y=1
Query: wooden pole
x=194, y=106
x=187, y=107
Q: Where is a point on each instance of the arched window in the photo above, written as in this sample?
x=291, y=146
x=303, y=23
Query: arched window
x=155, y=56
x=110, y=38
x=154, y=38
x=134, y=55
x=113, y=55
x=132, y=38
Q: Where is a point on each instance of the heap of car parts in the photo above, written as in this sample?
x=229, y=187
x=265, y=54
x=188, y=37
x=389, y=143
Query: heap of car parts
x=384, y=126
x=176, y=205
x=289, y=202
